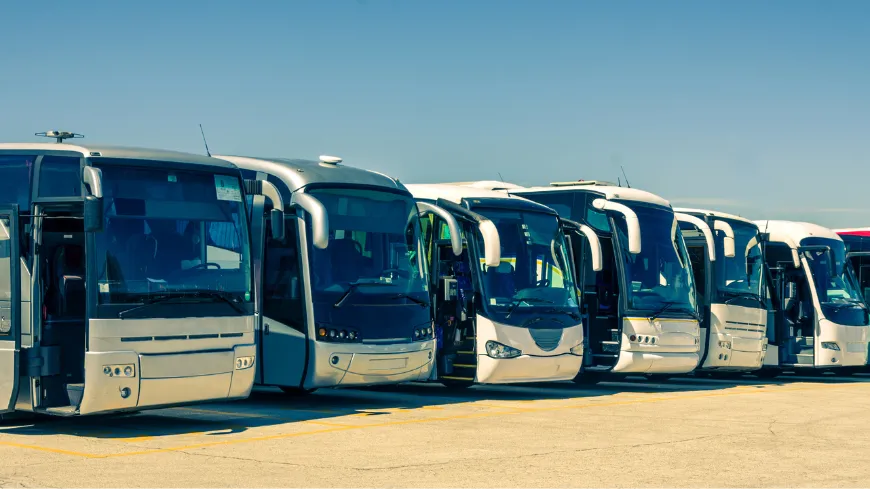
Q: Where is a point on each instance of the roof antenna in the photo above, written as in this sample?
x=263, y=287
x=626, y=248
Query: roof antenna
x=204, y=141
x=626, y=176
x=501, y=177
x=618, y=181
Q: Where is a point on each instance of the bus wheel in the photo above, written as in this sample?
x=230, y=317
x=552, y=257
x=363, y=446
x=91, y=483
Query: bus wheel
x=296, y=391
x=768, y=373
x=456, y=384
x=587, y=378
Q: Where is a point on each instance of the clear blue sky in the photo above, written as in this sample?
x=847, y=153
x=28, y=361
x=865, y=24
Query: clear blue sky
x=758, y=108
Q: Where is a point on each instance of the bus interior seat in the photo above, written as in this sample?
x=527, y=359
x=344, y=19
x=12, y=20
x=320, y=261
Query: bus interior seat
x=500, y=280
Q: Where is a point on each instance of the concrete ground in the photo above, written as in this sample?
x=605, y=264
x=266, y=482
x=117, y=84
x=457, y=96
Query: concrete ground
x=684, y=432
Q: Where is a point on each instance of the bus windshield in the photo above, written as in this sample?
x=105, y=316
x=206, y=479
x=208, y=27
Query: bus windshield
x=834, y=281
x=660, y=275
x=740, y=274
x=172, y=232
x=373, y=256
x=534, y=277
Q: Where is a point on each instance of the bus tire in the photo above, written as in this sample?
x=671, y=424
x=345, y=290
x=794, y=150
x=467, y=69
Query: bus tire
x=587, y=378
x=767, y=373
x=296, y=391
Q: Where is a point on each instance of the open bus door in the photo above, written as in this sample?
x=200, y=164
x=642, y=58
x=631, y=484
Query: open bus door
x=10, y=331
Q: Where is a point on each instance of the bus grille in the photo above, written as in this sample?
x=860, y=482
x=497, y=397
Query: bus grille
x=546, y=339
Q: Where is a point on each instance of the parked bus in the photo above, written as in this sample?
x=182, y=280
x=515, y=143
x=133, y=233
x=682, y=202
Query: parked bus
x=345, y=299
x=818, y=319
x=727, y=263
x=126, y=281
x=643, y=317
x=506, y=308
x=857, y=241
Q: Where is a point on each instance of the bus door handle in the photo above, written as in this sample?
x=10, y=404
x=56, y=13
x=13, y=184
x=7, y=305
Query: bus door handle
x=266, y=328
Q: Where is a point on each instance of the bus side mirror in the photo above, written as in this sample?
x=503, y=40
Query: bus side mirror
x=277, y=224
x=93, y=213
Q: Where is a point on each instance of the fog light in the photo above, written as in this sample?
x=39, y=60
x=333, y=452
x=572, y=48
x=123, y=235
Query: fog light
x=334, y=360
x=107, y=370
x=128, y=371
x=125, y=392
x=632, y=338
x=577, y=349
x=830, y=345
x=243, y=363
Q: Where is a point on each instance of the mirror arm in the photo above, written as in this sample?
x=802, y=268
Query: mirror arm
x=703, y=227
x=452, y=224
x=320, y=219
x=594, y=243
x=94, y=178
x=631, y=221
x=728, y=243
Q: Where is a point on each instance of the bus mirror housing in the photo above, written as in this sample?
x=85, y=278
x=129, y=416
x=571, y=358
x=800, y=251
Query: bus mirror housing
x=455, y=233
x=491, y=243
x=728, y=242
x=277, y=217
x=631, y=221
x=705, y=230
x=319, y=217
x=93, y=214
x=93, y=203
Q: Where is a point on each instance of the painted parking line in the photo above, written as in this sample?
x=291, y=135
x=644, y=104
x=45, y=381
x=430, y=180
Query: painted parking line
x=507, y=411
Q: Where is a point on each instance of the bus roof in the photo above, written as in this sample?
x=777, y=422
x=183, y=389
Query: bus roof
x=853, y=232
x=610, y=192
x=793, y=232
x=120, y=152
x=456, y=193
x=706, y=212
x=297, y=173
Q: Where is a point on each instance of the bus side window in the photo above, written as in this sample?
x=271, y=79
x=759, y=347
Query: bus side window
x=59, y=176
x=282, y=281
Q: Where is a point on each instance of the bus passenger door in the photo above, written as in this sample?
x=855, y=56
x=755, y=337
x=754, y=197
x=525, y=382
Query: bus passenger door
x=284, y=326
x=10, y=331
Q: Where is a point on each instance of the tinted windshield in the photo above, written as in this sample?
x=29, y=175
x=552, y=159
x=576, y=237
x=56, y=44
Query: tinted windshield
x=834, y=280
x=169, y=232
x=740, y=274
x=534, y=276
x=659, y=275
x=374, y=247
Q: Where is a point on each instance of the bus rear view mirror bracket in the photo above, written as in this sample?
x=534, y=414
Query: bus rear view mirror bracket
x=631, y=221
x=455, y=233
x=270, y=191
x=593, y=241
x=93, y=203
x=705, y=230
x=728, y=242
x=319, y=217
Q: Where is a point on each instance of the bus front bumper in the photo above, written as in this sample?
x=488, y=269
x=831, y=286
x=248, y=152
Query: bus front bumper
x=353, y=365
x=526, y=368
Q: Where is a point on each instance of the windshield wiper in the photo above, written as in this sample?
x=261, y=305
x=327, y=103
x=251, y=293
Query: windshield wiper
x=188, y=295
x=573, y=315
x=667, y=305
x=744, y=295
x=411, y=298
x=527, y=300
x=353, y=286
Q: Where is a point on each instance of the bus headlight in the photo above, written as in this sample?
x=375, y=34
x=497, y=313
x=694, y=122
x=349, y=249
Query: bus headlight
x=421, y=334
x=243, y=363
x=342, y=335
x=577, y=349
x=497, y=350
x=127, y=370
x=830, y=345
x=725, y=344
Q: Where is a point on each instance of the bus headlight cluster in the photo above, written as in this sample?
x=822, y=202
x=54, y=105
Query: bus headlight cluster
x=126, y=370
x=497, y=350
x=725, y=344
x=337, y=334
x=650, y=340
x=423, y=333
x=244, y=362
x=830, y=345
x=577, y=349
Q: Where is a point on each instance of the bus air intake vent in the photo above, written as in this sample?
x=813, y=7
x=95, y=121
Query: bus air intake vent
x=546, y=339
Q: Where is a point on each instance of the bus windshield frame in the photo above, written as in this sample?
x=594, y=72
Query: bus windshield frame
x=525, y=234
x=672, y=293
x=372, y=275
x=181, y=231
x=837, y=292
x=741, y=274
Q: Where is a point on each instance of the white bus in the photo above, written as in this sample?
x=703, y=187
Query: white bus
x=125, y=279
x=642, y=310
x=506, y=309
x=728, y=266
x=344, y=300
x=819, y=319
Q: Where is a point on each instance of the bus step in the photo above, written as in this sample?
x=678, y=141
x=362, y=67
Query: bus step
x=605, y=355
x=451, y=377
x=614, y=335
x=63, y=410
x=465, y=352
x=804, y=358
x=610, y=346
x=463, y=365
x=75, y=392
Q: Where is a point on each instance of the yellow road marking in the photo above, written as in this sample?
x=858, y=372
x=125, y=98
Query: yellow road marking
x=488, y=414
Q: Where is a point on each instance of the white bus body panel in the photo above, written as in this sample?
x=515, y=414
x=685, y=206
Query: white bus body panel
x=745, y=328
x=852, y=341
x=535, y=364
x=171, y=366
x=675, y=350
x=336, y=364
